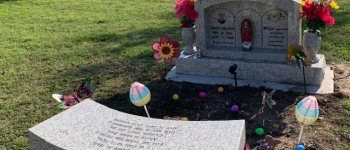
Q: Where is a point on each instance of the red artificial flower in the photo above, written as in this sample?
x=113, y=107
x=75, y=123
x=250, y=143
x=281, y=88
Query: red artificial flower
x=309, y=10
x=184, y=25
x=191, y=14
x=166, y=49
x=324, y=13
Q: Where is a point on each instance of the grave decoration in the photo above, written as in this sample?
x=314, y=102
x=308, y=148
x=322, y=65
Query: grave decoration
x=186, y=13
x=323, y=17
x=175, y=118
x=296, y=56
x=202, y=95
x=247, y=35
x=300, y=147
x=259, y=131
x=166, y=50
x=234, y=108
x=176, y=97
x=85, y=90
x=269, y=143
x=140, y=95
x=306, y=112
x=317, y=14
x=220, y=89
x=267, y=98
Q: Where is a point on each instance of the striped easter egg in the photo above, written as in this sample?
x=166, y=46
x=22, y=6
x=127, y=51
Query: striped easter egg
x=139, y=94
x=307, y=110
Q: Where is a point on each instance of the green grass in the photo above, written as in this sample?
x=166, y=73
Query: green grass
x=47, y=47
x=344, y=129
x=335, y=39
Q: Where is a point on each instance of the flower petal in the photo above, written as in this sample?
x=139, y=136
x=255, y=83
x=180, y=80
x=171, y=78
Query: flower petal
x=168, y=60
x=164, y=39
x=155, y=46
x=175, y=44
x=156, y=56
x=176, y=53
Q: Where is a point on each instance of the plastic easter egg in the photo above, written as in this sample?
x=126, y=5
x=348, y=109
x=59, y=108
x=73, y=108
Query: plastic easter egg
x=139, y=94
x=300, y=147
x=307, y=110
x=175, y=97
x=220, y=89
x=234, y=108
x=259, y=131
x=184, y=119
x=202, y=95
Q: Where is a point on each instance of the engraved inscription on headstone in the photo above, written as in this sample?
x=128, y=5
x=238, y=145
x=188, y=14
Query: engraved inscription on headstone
x=123, y=135
x=90, y=126
x=275, y=29
x=269, y=25
x=221, y=28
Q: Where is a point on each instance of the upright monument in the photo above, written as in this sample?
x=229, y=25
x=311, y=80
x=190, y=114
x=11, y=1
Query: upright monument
x=252, y=34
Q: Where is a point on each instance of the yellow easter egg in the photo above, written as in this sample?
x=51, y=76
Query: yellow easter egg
x=220, y=89
x=184, y=119
x=175, y=97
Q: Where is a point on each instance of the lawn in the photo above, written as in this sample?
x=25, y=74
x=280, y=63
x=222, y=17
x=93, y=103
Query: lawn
x=50, y=46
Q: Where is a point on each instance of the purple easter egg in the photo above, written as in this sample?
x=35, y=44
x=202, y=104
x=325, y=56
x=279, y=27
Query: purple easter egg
x=234, y=108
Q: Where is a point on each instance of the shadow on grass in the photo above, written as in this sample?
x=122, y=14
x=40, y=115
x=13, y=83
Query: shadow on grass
x=115, y=76
x=4, y=1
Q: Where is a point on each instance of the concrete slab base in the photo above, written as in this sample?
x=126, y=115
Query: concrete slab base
x=252, y=69
x=327, y=85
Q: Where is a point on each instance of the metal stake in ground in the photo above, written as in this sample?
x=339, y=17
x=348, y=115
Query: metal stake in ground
x=304, y=79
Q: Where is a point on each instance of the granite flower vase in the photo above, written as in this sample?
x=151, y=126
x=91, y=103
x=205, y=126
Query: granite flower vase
x=312, y=44
x=188, y=38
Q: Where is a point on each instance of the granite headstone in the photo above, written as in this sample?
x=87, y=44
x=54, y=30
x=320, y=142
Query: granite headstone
x=90, y=126
x=272, y=26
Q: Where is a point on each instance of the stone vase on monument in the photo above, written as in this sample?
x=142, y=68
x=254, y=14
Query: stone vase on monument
x=312, y=44
x=188, y=38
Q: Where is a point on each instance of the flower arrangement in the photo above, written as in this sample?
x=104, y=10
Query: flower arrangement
x=296, y=55
x=318, y=13
x=186, y=13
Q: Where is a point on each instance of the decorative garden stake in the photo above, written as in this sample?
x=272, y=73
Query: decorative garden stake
x=140, y=95
x=269, y=143
x=306, y=112
x=85, y=90
x=296, y=56
x=267, y=98
x=166, y=50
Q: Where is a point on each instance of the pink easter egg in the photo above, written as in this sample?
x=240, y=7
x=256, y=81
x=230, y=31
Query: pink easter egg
x=202, y=95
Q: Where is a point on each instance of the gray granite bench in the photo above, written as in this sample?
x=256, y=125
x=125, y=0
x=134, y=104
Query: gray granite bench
x=91, y=126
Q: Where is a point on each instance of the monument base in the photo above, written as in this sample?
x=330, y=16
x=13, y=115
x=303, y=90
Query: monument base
x=249, y=69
